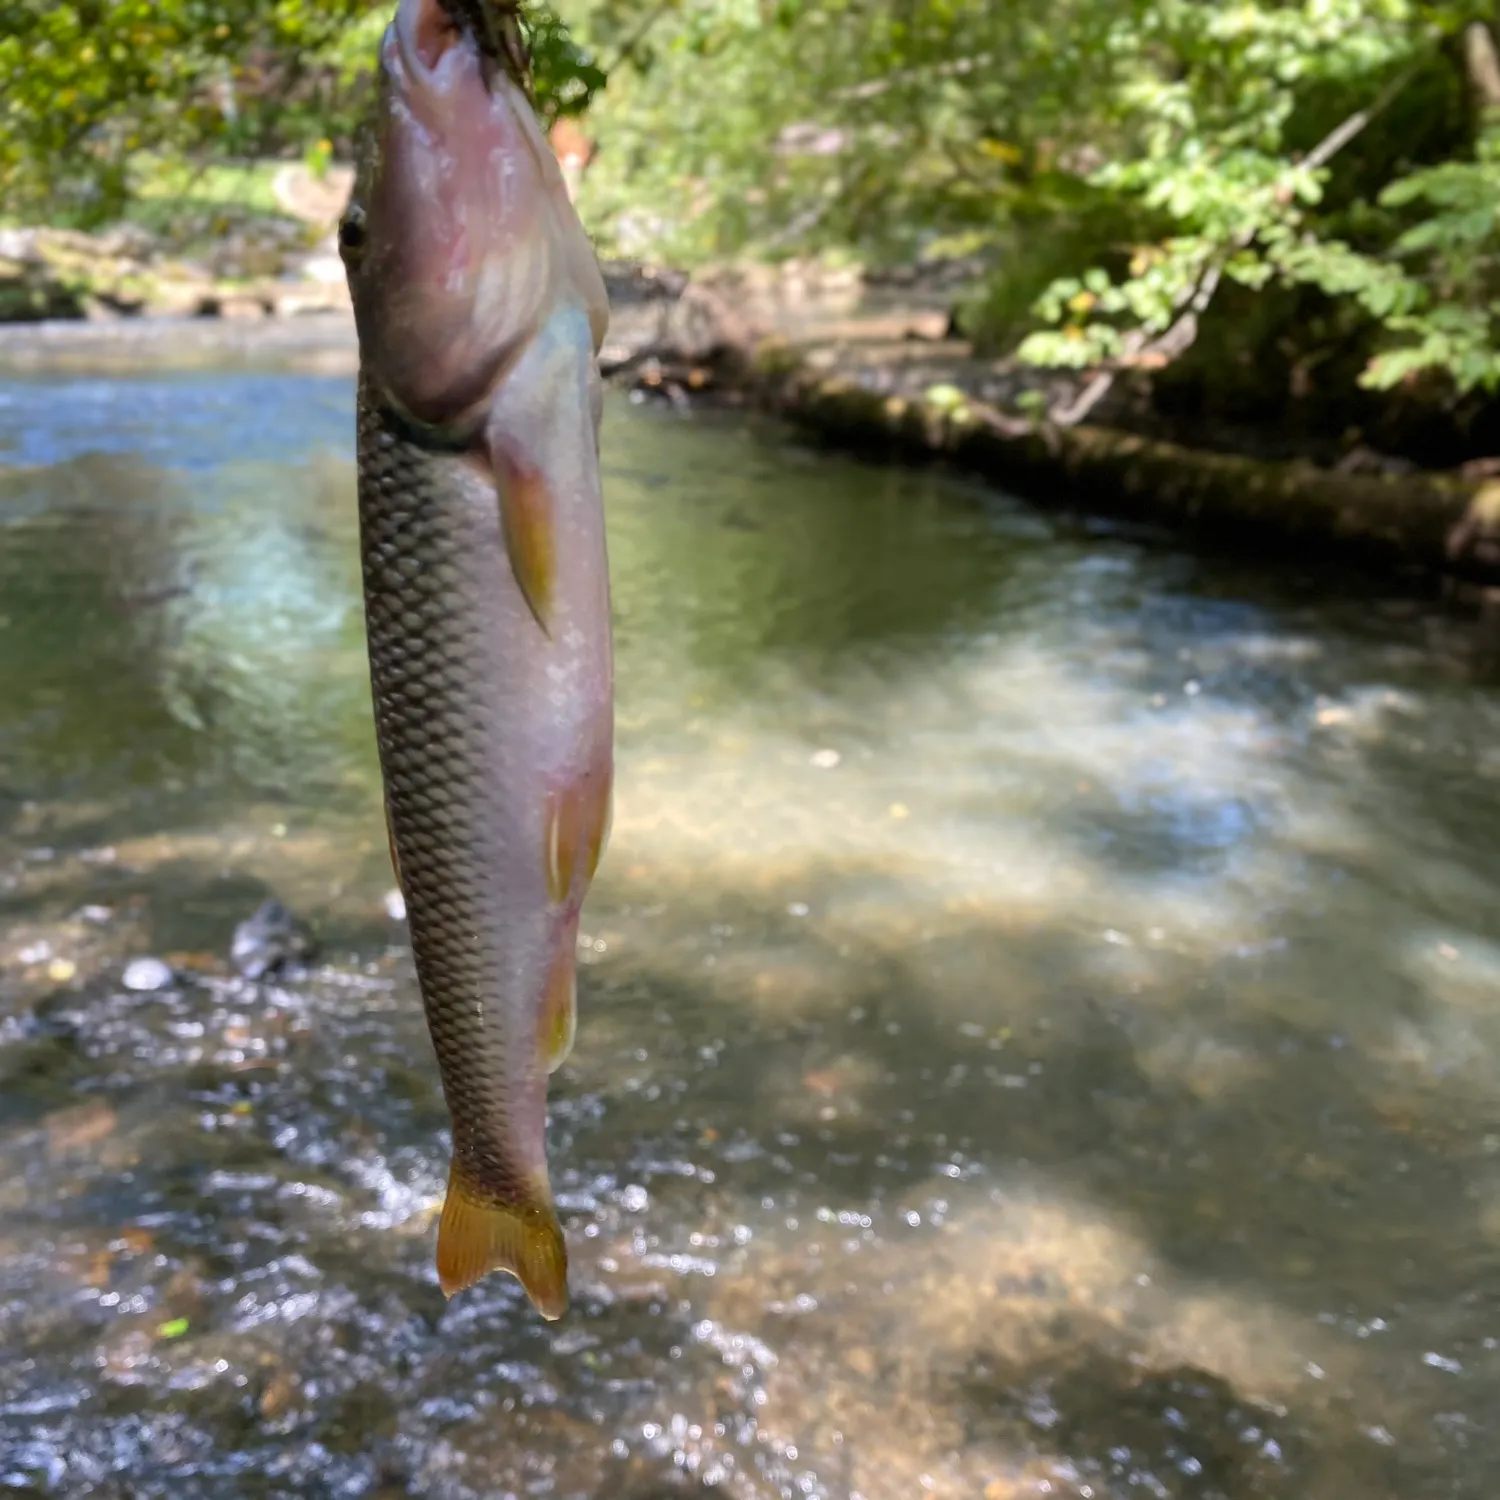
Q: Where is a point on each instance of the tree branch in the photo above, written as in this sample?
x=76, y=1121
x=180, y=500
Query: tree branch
x=626, y=51
x=874, y=87
x=1178, y=337
x=1341, y=135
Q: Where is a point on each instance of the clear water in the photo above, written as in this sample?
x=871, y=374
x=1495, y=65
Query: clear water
x=1040, y=1009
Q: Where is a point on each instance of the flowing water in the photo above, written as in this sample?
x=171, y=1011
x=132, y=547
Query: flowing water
x=1040, y=1011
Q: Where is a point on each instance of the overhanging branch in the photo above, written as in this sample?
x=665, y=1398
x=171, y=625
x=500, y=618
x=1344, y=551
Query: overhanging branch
x=1177, y=338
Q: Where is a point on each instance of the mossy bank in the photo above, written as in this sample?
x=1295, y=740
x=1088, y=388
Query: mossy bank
x=892, y=384
x=50, y=274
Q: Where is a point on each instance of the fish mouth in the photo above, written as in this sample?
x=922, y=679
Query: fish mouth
x=426, y=35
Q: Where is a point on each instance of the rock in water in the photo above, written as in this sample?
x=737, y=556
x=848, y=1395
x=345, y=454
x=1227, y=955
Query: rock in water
x=269, y=942
x=145, y=974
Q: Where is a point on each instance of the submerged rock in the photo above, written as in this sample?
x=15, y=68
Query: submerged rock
x=268, y=942
x=145, y=974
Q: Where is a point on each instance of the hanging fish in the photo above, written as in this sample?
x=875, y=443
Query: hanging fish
x=480, y=311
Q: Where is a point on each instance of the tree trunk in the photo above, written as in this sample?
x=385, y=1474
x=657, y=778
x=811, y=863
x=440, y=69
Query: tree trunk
x=1482, y=64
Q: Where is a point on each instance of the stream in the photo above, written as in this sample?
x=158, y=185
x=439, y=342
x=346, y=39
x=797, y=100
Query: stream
x=1039, y=1012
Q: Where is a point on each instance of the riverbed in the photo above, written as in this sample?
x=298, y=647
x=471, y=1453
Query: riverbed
x=1039, y=1011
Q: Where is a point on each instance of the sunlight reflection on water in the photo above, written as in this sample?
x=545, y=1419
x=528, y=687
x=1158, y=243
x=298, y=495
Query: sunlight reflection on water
x=1039, y=1029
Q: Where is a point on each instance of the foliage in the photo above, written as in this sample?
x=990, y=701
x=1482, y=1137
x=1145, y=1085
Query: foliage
x=1117, y=161
x=1448, y=306
x=1223, y=153
x=85, y=88
x=795, y=126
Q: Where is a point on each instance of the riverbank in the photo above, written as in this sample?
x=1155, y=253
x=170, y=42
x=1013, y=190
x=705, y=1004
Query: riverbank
x=247, y=240
x=63, y=274
x=880, y=397
x=891, y=382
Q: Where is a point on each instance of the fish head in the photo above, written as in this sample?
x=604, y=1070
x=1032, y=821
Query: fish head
x=449, y=239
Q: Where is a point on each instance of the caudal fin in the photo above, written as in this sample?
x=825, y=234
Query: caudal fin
x=475, y=1238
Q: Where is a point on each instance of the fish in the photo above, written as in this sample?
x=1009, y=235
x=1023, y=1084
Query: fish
x=480, y=311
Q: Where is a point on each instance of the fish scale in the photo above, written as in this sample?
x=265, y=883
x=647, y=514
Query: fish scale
x=432, y=566
x=428, y=563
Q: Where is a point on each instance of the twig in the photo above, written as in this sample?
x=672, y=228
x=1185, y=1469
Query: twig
x=809, y=218
x=1174, y=340
x=1341, y=135
x=874, y=87
x=626, y=50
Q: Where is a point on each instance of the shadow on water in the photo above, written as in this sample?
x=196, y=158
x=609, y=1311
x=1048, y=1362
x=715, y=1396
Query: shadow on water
x=1039, y=1027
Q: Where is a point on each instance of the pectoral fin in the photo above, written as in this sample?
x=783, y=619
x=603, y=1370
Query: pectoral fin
x=530, y=526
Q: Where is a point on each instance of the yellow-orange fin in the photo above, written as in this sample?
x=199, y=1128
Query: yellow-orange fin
x=606, y=821
x=578, y=822
x=524, y=1240
x=562, y=845
x=558, y=1022
x=529, y=526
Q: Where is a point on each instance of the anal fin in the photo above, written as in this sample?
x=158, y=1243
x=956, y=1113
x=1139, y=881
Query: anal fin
x=577, y=829
x=557, y=1022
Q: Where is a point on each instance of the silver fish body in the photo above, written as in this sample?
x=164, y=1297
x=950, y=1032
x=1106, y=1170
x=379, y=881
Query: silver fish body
x=480, y=311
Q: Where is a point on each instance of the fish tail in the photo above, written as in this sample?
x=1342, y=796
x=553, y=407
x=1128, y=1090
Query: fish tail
x=476, y=1236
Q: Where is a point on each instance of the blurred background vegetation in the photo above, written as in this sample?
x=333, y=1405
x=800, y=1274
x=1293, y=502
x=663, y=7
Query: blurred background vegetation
x=1281, y=186
x=102, y=105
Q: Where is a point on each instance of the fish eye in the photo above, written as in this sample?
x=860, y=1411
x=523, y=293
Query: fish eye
x=352, y=230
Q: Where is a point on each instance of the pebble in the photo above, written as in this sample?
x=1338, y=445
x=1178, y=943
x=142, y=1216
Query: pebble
x=146, y=974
